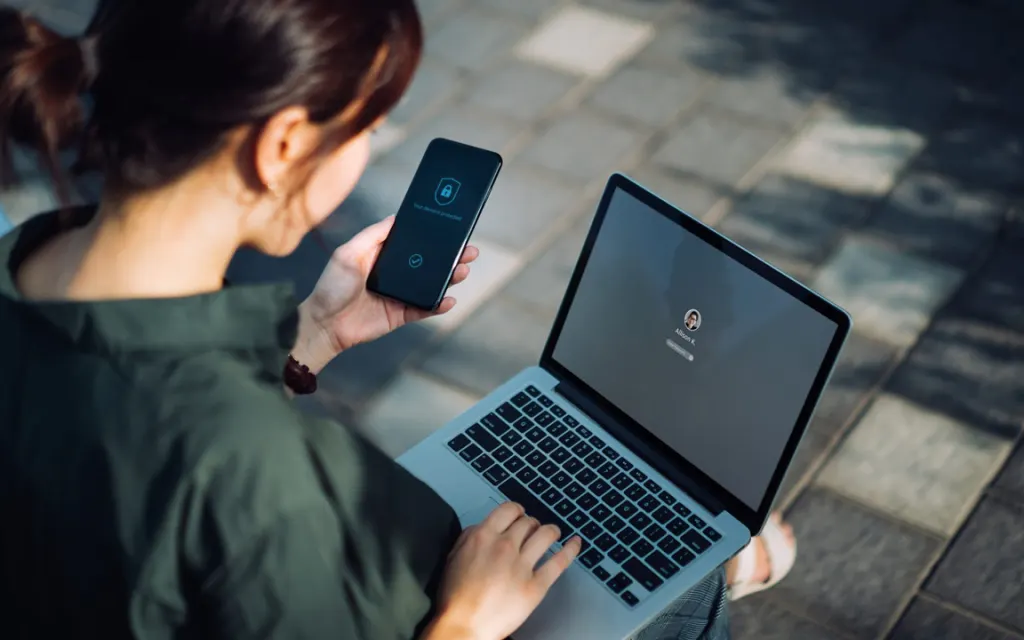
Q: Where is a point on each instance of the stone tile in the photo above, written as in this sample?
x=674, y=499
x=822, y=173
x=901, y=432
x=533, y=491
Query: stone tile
x=435, y=12
x=853, y=567
x=891, y=296
x=812, y=448
x=542, y=284
x=981, y=149
x=695, y=197
x=459, y=123
x=933, y=217
x=861, y=366
x=1011, y=478
x=652, y=10
x=927, y=619
x=583, y=146
x=648, y=95
x=490, y=272
x=378, y=194
x=434, y=84
x=717, y=148
x=982, y=570
x=969, y=364
x=473, y=39
x=792, y=223
x=385, y=138
x=585, y=41
x=521, y=90
x=918, y=465
x=495, y=344
x=856, y=158
x=523, y=206
x=532, y=9
x=767, y=94
x=409, y=410
x=761, y=617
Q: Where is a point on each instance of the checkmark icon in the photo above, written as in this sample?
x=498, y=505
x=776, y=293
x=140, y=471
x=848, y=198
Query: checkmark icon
x=415, y=261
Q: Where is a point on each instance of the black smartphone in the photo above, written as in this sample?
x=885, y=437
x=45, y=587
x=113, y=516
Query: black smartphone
x=434, y=223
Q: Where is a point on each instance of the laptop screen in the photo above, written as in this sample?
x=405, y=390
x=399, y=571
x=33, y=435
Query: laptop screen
x=714, y=360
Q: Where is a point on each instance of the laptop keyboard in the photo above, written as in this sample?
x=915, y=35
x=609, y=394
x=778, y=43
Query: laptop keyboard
x=635, y=534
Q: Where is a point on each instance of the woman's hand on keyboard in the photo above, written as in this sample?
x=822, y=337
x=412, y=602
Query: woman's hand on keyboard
x=490, y=586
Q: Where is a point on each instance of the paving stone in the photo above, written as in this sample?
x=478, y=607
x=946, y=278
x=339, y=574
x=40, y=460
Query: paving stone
x=982, y=570
x=812, y=448
x=585, y=41
x=489, y=348
x=385, y=137
x=767, y=94
x=409, y=410
x=861, y=366
x=927, y=620
x=981, y=149
x=435, y=12
x=653, y=10
x=523, y=206
x=856, y=158
x=917, y=464
x=583, y=146
x=969, y=364
x=533, y=9
x=491, y=271
x=891, y=296
x=649, y=96
x=853, y=567
x=461, y=123
x=434, y=84
x=696, y=197
x=542, y=284
x=378, y=194
x=1011, y=478
x=522, y=90
x=760, y=617
x=717, y=148
x=472, y=39
x=933, y=217
x=792, y=223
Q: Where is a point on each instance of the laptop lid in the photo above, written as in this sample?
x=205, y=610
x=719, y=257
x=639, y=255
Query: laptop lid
x=708, y=360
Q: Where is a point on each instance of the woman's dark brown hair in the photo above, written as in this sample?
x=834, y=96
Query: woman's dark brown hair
x=168, y=79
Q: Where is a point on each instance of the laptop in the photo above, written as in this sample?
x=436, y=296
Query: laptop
x=678, y=379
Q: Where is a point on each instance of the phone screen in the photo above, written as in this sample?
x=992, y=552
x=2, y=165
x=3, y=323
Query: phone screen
x=434, y=223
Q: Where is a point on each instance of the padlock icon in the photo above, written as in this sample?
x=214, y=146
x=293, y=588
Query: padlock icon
x=447, y=191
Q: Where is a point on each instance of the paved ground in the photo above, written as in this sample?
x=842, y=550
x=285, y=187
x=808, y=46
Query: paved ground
x=873, y=149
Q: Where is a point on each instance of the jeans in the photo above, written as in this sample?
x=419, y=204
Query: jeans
x=699, y=614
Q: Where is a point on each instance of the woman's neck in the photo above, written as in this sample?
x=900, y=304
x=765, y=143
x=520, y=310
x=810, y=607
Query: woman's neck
x=173, y=242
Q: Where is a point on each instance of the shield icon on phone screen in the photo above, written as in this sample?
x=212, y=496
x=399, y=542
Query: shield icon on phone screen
x=447, y=191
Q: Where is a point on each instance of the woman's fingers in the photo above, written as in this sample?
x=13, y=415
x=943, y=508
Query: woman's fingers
x=460, y=274
x=522, y=529
x=502, y=518
x=557, y=564
x=469, y=255
x=537, y=544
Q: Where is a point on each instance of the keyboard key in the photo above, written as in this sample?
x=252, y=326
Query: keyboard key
x=539, y=486
x=532, y=409
x=697, y=522
x=638, y=475
x=624, y=464
x=681, y=510
x=628, y=536
x=642, y=548
x=599, y=488
x=573, y=465
x=583, y=431
x=520, y=399
x=596, y=460
x=523, y=424
x=548, y=444
x=548, y=469
x=574, y=490
x=560, y=479
x=509, y=413
x=613, y=523
x=591, y=531
x=470, y=452
x=653, y=487
x=557, y=411
x=619, y=554
x=683, y=557
x=571, y=421
x=501, y=454
x=604, y=542
x=591, y=558
x=610, y=453
x=544, y=419
x=669, y=544
x=545, y=401
x=535, y=435
x=459, y=442
x=557, y=428
x=639, y=571
x=667, y=498
x=524, y=448
x=582, y=449
x=496, y=475
x=511, y=438
x=483, y=462
x=612, y=498
x=532, y=391
x=662, y=565
x=662, y=515
x=494, y=424
x=552, y=497
x=600, y=512
x=560, y=455
x=586, y=476
x=640, y=521
x=608, y=471
x=569, y=439
x=650, y=504
x=626, y=509
x=565, y=507
x=587, y=501
x=527, y=475
x=621, y=481
x=601, y=573
x=654, y=533
x=696, y=541
x=630, y=599
x=578, y=519
x=619, y=582
x=635, y=493
x=514, y=464
x=712, y=535
x=678, y=526
x=516, y=492
x=536, y=458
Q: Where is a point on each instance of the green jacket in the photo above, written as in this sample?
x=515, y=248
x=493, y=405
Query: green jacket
x=156, y=481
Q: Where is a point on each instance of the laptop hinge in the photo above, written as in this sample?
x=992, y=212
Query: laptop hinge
x=640, y=448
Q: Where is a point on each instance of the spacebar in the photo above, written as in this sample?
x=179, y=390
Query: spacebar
x=534, y=507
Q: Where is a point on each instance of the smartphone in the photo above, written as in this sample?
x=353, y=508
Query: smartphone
x=434, y=223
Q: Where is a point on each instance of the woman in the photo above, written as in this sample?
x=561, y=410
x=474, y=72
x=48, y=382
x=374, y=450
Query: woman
x=155, y=479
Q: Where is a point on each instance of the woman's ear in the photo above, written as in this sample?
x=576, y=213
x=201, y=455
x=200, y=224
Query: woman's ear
x=284, y=142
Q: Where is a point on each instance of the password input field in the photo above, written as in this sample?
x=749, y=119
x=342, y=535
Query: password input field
x=679, y=349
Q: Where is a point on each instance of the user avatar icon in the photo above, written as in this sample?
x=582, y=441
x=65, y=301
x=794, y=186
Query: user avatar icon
x=693, y=320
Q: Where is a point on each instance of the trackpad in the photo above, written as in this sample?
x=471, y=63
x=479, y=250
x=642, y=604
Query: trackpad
x=477, y=514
